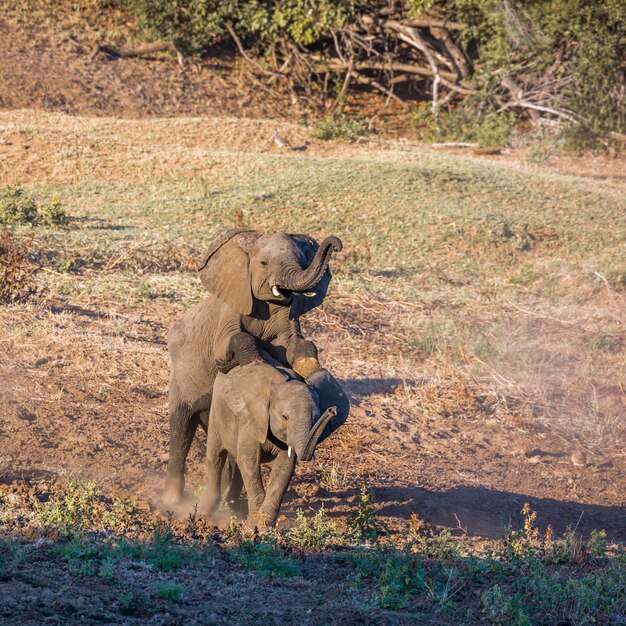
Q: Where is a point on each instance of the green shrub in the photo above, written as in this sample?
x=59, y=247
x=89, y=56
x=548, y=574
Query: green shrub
x=265, y=557
x=339, y=127
x=53, y=214
x=198, y=24
x=364, y=523
x=74, y=510
x=314, y=532
x=172, y=592
x=17, y=207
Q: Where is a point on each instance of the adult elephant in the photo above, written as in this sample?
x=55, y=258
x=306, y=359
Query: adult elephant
x=259, y=287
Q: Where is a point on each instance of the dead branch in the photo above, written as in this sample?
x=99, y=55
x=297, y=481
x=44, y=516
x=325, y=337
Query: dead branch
x=248, y=58
x=365, y=80
x=456, y=54
x=412, y=36
x=140, y=51
x=537, y=107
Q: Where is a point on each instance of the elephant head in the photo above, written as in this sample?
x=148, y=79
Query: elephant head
x=278, y=407
x=243, y=266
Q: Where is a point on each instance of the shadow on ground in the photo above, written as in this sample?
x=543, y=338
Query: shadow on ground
x=481, y=512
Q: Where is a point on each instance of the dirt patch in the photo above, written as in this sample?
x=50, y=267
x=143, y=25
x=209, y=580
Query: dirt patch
x=50, y=65
x=85, y=396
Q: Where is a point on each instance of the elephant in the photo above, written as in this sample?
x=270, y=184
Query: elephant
x=259, y=286
x=263, y=413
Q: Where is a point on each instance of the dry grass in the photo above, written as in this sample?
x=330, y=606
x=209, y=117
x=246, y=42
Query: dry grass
x=473, y=299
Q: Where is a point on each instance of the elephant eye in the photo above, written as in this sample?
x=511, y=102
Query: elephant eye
x=264, y=263
x=285, y=417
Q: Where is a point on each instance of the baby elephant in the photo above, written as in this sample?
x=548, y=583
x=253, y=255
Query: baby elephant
x=266, y=414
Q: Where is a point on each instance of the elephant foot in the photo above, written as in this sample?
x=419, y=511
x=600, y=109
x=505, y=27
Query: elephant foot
x=262, y=520
x=173, y=493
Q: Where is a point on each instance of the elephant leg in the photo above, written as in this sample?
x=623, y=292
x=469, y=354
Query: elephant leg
x=232, y=486
x=241, y=349
x=249, y=462
x=280, y=477
x=183, y=425
x=215, y=465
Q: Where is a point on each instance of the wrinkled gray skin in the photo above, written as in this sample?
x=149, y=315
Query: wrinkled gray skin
x=259, y=412
x=258, y=287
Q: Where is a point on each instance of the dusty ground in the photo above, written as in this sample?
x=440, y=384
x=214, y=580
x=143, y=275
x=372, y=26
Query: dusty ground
x=85, y=370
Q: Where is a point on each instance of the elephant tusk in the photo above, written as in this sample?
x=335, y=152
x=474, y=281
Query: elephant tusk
x=276, y=291
x=289, y=451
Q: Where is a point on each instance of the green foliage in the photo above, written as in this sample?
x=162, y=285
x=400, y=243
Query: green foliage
x=438, y=545
x=314, y=532
x=515, y=38
x=339, y=127
x=17, y=207
x=198, y=24
x=53, y=214
x=163, y=552
x=502, y=609
x=171, y=592
x=87, y=557
x=364, y=523
x=264, y=556
x=74, y=510
x=394, y=574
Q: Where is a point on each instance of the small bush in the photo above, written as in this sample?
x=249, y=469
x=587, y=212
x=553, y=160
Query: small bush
x=172, y=592
x=53, y=214
x=265, y=557
x=339, y=127
x=163, y=552
x=364, y=523
x=17, y=271
x=17, y=207
x=74, y=511
x=314, y=532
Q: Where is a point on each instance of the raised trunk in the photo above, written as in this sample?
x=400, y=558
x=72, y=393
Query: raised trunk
x=296, y=279
x=316, y=432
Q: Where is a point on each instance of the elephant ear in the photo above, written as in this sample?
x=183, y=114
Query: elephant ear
x=248, y=395
x=224, y=269
x=330, y=395
x=300, y=303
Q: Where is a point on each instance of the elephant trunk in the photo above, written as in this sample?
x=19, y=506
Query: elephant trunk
x=305, y=445
x=298, y=279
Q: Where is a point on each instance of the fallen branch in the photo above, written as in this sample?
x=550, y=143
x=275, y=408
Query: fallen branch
x=138, y=52
x=537, y=107
x=364, y=80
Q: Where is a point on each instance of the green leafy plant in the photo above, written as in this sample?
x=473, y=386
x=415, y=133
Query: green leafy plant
x=339, y=127
x=314, y=532
x=74, y=510
x=364, y=523
x=18, y=207
x=264, y=556
x=171, y=592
